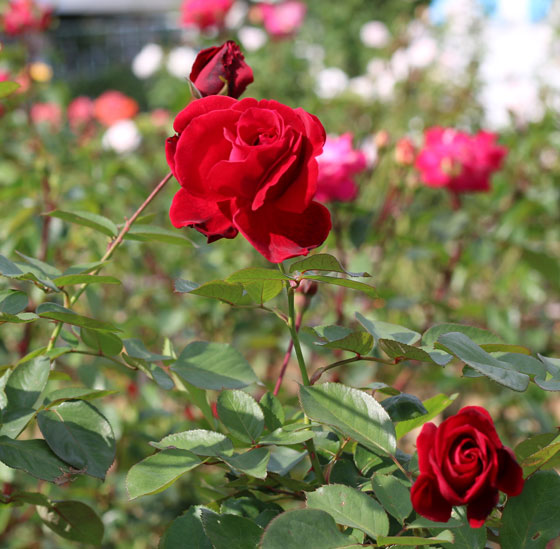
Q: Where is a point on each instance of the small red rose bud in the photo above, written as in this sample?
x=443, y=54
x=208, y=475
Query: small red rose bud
x=308, y=287
x=7, y=489
x=405, y=152
x=132, y=389
x=381, y=139
x=214, y=408
x=188, y=413
x=221, y=66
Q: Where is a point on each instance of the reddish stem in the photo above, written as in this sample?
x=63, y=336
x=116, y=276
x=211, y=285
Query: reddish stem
x=287, y=356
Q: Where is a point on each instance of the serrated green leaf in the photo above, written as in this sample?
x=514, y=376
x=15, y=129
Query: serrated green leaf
x=393, y=495
x=396, y=349
x=253, y=463
x=230, y=293
x=73, y=520
x=322, y=262
x=539, y=452
x=403, y=407
x=69, y=280
x=360, y=343
x=26, y=383
x=54, y=311
x=241, y=415
x=187, y=527
x=136, y=349
x=478, y=335
x=350, y=507
x=153, y=233
x=273, y=411
x=230, y=531
x=370, y=291
x=87, y=219
x=434, y=405
x=283, y=438
x=106, y=343
x=442, y=538
x=384, y=330
x=75, y=393
x=199, y=441
x=283, y=460
x=213, y=366
x=470, y=353
x=21, y=318
x=352, y=412
x=79, y=435
x=158, y=472
x=12, y=302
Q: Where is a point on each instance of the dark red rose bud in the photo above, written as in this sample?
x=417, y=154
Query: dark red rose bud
x=221, y=66
x=308, y=287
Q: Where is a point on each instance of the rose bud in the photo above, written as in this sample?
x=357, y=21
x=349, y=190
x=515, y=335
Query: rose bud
x=221, y=66
x=405, y=152
x=463, y=462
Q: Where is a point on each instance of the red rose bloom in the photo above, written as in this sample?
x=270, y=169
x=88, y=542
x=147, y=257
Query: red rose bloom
x=459, y=161
x=219, y=66
x=463, y=462
x=249, y=166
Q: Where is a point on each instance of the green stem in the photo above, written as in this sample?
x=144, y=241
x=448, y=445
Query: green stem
x=318, y=373
x=112, y=247
x=295, y=336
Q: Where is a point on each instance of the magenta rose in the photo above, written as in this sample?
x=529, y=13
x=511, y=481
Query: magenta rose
x=463, y=462
x=249, y=166
x=283, y=19
x=21, y=16
x=205, y=13
x=338, y=165
x=459, y=161
x=219, y=66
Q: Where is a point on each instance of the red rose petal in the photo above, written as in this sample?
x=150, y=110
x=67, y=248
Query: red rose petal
x=479, y=509
x=428, y=501
x=200, y=107
x=510, y=474
x=424, y=445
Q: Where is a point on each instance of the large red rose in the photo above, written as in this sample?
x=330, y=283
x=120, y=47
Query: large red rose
x=249, y=166
x=463, y=462
x=219, y=66
x=459, y=161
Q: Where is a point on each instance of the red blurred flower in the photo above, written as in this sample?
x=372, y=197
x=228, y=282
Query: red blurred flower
x=112, y=106
x=337, y=166
x=205, y=13
x=283, y=19
x=221, y=66
x=463, y=462
x=80, y=112
x=459, y=161
x=23, y=16
x=46, y=113
x=405, y=152
x=249, y=166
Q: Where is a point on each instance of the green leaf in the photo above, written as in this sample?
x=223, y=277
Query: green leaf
x=322, y=262
x=34, y=457
x=283, y=460
x=187, y=527
x=241, y=415
x=15, y=421
x=198, y=441
x=158, y=472
x=360, y=343
x=21, y=318
x=384, y=330
x=470, y=353
x=74, y=393
x=254, y=274
x=524, y=364
x=136, y=349
x=153, y=371
x=370, y=291
x=230, y=531
x=68, y=280
x=352, y=412
x=26, y=383
x=546, y=265
x=283, y=438
x=262, y=291
x=403, y=407
x=73, y=520
x=350, y=507
x=538, y=452
x=11, y=270
x=505, y=348
x=434, y=405
x=273, y=411
x=532, y=519
x=12, y=302
x=80, y=435
x=442, y=538
x=304, y=528
x=47, y=270
x=62, y=314
x=253, y=463
x=232, y=294
x=396, y=349
x=213, y=366
x=106, y=343
x=478, y=335
x=87, y=219
x=393, y=495
x=7, y=88
x=153, y=233
x=465, y=536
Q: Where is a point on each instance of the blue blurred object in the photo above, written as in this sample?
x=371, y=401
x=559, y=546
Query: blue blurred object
x=535, y=10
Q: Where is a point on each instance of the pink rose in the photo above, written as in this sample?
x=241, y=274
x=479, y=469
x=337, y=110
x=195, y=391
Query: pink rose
x=113, y=106
x=24, y=16
x=46, y=113
x=80, y=112
x=459, y=161
x=205, y=13
x=405, y=152
x=282, y=20
x=337, y=166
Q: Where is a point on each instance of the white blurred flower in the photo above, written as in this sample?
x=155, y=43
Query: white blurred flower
x=376, y=67
x=362, y=86
x=330, y=82
x=180, y=61
x=252, y=38
x=147, y=61
x=122, y=137
x=422, y=52
x=399, y=64
x=236, y=15
x=384, y=86
x=369, y=148
x=375, y=34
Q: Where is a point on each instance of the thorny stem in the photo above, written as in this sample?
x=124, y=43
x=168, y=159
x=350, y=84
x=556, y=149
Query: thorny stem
x=287, y=357
x=111, y=248
x=318, y=373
